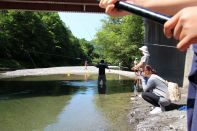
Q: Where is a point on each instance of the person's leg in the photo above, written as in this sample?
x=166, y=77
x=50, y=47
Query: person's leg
x=104, y=80
x=190, y=105
x=194, y=117
x=163, y=102
x=99, y=80
x=151, y=98
x=135, y=89
x=191, y=99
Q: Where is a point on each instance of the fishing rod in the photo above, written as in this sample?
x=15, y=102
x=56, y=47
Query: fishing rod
x=159, y=18
x=140, y=11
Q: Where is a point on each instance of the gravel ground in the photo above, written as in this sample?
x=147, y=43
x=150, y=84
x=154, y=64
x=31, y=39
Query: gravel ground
x=62, y=70
x=171, y=120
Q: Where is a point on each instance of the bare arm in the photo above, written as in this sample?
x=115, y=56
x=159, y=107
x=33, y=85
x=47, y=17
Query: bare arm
x=169, y=7
x=140, y=64
x=183, y=27
x=147, y=86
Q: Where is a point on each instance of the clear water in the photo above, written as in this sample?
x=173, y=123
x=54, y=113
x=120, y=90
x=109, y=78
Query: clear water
x=64, y=103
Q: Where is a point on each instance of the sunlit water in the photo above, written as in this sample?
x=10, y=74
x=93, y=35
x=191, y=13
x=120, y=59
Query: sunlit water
x=64, y=103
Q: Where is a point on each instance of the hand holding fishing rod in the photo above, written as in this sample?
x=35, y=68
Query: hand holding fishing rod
x=138, y=72
x=159, y=18
x=169, y=31
x=131, y=8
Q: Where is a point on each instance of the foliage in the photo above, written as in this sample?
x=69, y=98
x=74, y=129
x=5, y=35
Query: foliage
x=88, y=49
x=119, y=39
x=35, y=39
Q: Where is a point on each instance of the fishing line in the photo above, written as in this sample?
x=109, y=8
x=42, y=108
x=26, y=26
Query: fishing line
x=167, y=46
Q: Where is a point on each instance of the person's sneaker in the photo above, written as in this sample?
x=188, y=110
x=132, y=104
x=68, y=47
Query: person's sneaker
x=152, y=107
x=156, y=110
x=140, y=95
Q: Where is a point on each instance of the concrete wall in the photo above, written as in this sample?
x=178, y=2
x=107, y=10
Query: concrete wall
x=167, y=61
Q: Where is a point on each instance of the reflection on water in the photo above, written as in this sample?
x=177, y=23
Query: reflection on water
x=64, y=103
x=101, y=84
x=80, y=114
x=102, y=89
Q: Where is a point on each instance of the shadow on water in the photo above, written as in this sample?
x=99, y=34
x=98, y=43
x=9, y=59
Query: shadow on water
x=18, y=89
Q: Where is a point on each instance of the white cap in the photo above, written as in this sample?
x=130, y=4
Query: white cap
x=144, y=49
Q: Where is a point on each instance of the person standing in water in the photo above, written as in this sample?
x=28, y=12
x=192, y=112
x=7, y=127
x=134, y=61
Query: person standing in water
x=102, y=77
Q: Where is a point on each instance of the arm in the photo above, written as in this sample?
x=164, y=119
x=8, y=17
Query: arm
x=106, y=66
x=97, y=65
x=183, y=27
x=140, y=64
x=168, y=7
x=147, y=86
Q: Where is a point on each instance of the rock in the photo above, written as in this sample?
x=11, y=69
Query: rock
x=132, y=114
x=132, y=98
x=182, y=116
x=171, y=127
x=172, y=120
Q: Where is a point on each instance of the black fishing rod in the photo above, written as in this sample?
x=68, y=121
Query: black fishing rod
x=159, y=18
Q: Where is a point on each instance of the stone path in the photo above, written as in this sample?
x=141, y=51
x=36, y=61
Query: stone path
x=62, y=70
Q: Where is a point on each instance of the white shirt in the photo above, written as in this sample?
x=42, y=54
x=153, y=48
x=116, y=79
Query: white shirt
x=144, y=59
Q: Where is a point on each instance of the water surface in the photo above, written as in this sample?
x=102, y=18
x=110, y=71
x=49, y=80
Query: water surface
x=64, y=103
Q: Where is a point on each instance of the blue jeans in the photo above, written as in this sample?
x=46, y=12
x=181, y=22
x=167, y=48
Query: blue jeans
x=192, y=95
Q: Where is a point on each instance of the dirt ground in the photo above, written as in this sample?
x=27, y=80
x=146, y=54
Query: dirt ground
x=171, y=120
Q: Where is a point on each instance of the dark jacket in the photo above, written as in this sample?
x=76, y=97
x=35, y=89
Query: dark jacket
x=102, y=67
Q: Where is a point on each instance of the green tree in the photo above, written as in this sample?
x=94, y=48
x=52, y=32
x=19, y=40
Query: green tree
x=88, y=49
x=119, y=39
x=37, y=39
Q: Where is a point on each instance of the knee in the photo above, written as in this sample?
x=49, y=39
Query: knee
x=164, y=102
x=143, y=95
